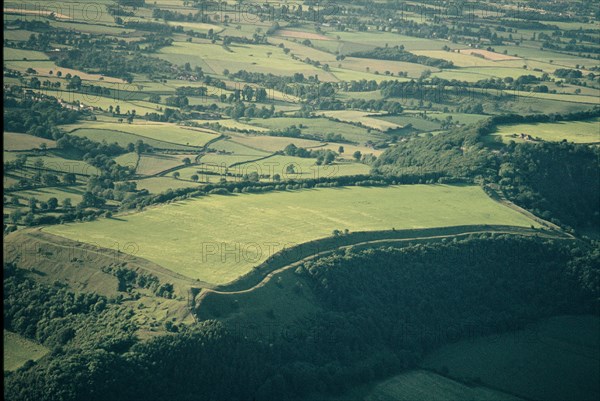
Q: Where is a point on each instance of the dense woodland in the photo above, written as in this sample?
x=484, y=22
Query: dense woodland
x=385, y=309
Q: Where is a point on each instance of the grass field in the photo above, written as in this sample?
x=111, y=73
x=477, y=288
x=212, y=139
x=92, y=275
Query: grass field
x=157, y=185
x=572, y=131
x=304, y=168
x=162, y=132
x=367, y=119
x=377, y=38
x=555, y=359
x=216, y=239
x=124, y=138
x=17, y=141
x=222, y=160
x=238, y=148
x=11, y=54
x=319, y=127
x=474, y=74
x=18, y=350
x=128, y=159
x=155, y=163
x=253, y=58
x=420, y=385
x=58, y=163
x=416, y=122
x=233, y=124
x=60, y=193
x=274, y=143
x=139, y=106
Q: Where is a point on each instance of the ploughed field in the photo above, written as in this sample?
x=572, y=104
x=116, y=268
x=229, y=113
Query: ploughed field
x=216, y=239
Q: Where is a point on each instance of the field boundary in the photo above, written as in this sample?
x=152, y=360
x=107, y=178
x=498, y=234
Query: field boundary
x=294, y=256
x=265, y=276
x=140, y=137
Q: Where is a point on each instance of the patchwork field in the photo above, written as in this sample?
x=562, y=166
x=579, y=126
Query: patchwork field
x=155, y=163
x=273, y=143
x=421, y=385
x=217, y=239
x=370, y=120
x=257, y=58
x=572, y=131
x=320, y=127
x=61, y=164
x=237, y=148
x=162, y=132
x=124, y=138
x=102, y=102
x=16, y=141
x=156, y=185
x=60, y=193
x=303, y=168
x=488, y=54
x=18, y=350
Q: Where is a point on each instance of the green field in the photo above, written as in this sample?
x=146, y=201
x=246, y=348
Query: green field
x=276, y=143
x=421, y=385
x=61, y=164
x=156, y=185
x=319, y=127
x=18, y=350
x=237, y=149
x=11, y=54
x=304, y=168
x=125, y=138
x=154, y=163
x=158, y=132
x=189, y=236
x=17, y=141
x=555, y=359
x=416, y=122
x=139, y=106
x=370, y=120
x=223, y=161
x=60, y=193
x=572, y=131
x=215, y=58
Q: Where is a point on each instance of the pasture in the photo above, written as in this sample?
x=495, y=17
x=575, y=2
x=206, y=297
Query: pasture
x=156, y=185
x=75, y=193
x=155, y=163
x=215, y=58
x=415, y=122
x=102, y=102
x=367, y=119
x=421, y=385
x=60, y=164
x=273, y=143
x=124, y=138
x=554, y=359
x=320, y=127
x=572, y=131
x=218, y=161
x=163, y=132
x=230, y=146
x=18, y=350
x=18, y=141
x=303, y=168
x=217, y=239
